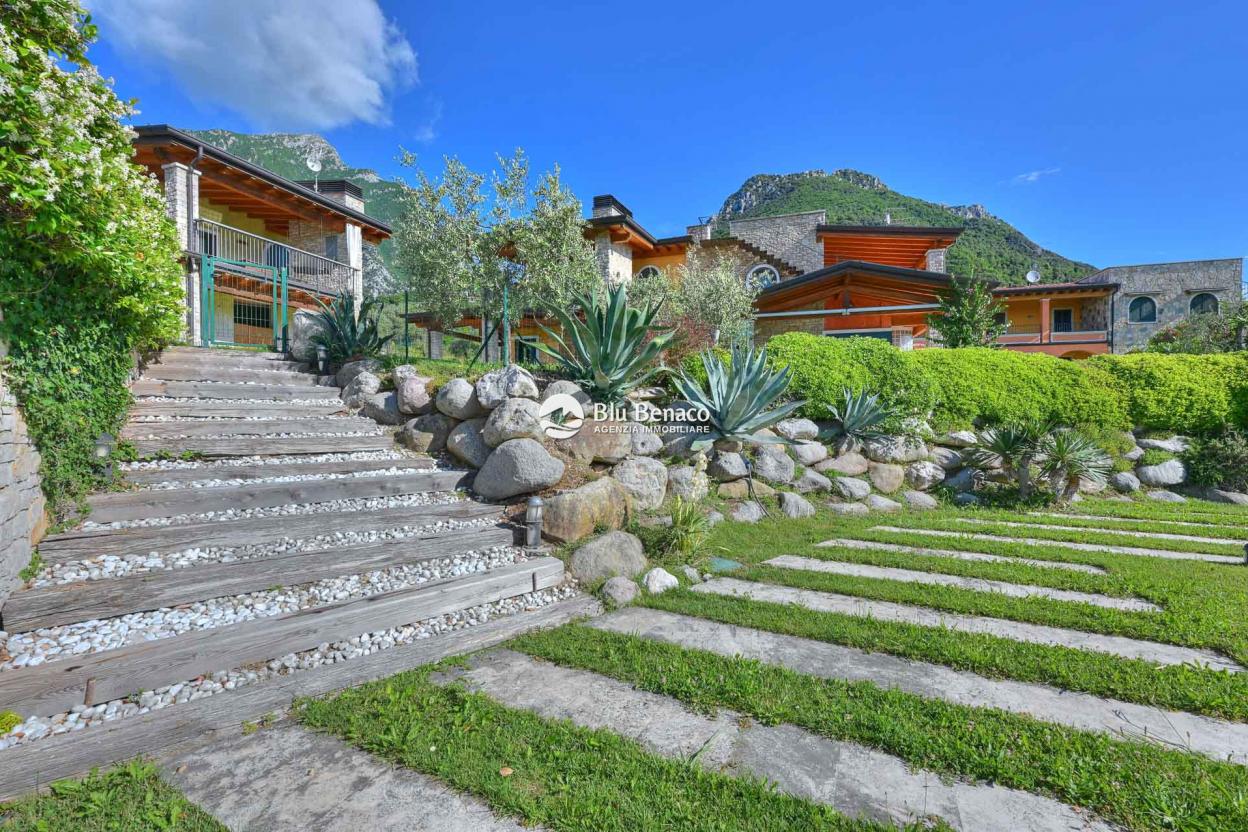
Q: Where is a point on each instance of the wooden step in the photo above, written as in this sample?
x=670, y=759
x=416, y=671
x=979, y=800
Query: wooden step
x=50, y=606
x=217, y=390
x=264, y=445
x=99, y=677
x=132, y=505
x=224, y=409
x=258, y=472
x=211, y=372
x=223, y=353
x=36, y=764
x=246, y=427
x=241, y=362
x=144, y=540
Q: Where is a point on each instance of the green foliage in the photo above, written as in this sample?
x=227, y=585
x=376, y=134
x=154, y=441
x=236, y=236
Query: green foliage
x=1155, y=456
x=1219, y=461
x=88, y=259
x=969, y=316
x=823, y=368
x=1223, y=331
x=346, y=336
x=740, y=396
x=1068, y=458
x=860, y=415
x=1183, y=393
x=612, y=350
x=688, y=530
x=1006, y=387
x=8, y=721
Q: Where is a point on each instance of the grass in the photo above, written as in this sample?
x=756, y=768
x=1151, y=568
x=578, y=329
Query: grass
x=1141, y=786
x=128, y=798
x=551, y=772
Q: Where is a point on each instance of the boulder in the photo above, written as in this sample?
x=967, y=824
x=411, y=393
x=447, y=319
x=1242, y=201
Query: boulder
x=518, y=466
x=774, y=465
x=1174, y=445
x=428, y=433
x=659, y=580
x=894, y=449
x=729, y=446
x=1219, y=495
x=878, y=503
x=1125, y=481
x=687, y=482
x=347, y=373
x=645, y=480
x=1133, y=454
x=885, y=477
x=727, y=466
x=645, y=442
x=796, y=429
x=358, y=390
x=567, y=388
x=601, y=504
x=607, y=442
x=795, y=505
x=963, y=480
x=747, y=512
x=923, y=475
x=1164, y=496
x=848, y=509
x=946, y=458
x=403, y=372
x=303, y=326
x=458, y=399
x=1170, y=472
x=714, y=518
x=513, y=419
x=849, y=488
x=510, y=382
x=608, y=555
x=739, y=490
x=919, y=500
x=467, y=444
x=383, y=408
x=1087, y=486
x=965, y=498
x=851, y=464
x=957, y=439
x=620, y=591
x=413, y=393
x=809, y=453
x=812, y=481
x=691, y=574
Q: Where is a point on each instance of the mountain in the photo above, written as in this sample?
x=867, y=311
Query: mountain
x=989, y=247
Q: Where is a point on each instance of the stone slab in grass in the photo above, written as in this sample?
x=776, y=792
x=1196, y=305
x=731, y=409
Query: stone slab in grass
x=1140, y=535
x=1129, y=648
x=1215, y=738
x=855, y=780
x=958, y=555
x=911, y=576
x=1083, y=547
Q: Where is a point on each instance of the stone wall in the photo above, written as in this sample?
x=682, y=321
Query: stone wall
x=615, y=260
x=22, y=517
x=790, y=237
x=767, y=328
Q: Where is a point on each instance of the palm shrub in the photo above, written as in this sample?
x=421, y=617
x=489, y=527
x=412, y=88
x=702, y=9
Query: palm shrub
x=687, y=534
x=611, y=351
x=859, y=416
x=1067, y=458
x=1012, y=448
x=346, y=336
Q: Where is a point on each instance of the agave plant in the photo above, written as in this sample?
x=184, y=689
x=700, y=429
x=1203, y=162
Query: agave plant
x=740, y=397
x=859, y=416
x=1012, y=448
x=611, y=351
x=345, y=335
x=1068, y=458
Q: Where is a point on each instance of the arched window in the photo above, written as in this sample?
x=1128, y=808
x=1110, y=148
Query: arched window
x=1205, y=303
x=1142, y=311
x=762, y=276
x=646, y=272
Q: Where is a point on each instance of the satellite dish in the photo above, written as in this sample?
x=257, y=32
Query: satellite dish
x=1033, y=276
x=314, y=165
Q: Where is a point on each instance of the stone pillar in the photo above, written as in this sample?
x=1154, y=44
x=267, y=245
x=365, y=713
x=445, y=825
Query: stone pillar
x=433, y=344
x=936, y=260
x=23, y=520
x=182, y=204
x=1046, y=321
x=615, y=260
x=355, y=259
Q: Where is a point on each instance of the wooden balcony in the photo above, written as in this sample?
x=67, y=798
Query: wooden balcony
x=313, y=273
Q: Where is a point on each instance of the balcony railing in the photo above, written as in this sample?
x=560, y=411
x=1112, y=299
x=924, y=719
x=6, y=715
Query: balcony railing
x=1032, y=335
x=304, y=270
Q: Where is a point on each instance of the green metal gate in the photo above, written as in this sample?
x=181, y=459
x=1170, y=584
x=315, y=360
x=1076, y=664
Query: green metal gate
x=243, y=304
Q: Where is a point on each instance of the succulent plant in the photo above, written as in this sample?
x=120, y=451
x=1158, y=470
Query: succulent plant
x=346, y=336
x=1068, y=458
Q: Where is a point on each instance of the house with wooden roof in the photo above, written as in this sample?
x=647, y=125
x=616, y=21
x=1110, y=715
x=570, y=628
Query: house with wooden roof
x=257, y=246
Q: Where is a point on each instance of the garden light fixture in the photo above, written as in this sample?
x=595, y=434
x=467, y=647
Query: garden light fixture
x=533, y=522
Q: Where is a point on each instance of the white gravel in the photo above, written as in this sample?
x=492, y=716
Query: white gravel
x=171, y=485
x=283, y=435
x=51, y=643
x=237, y=461
x=183, y=400
x=142, y=418
x=82, y=717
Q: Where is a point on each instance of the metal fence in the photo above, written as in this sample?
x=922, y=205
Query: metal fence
x=305, y=270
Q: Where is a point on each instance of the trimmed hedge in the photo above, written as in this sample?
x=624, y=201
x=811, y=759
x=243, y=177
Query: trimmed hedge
x=1181, y=393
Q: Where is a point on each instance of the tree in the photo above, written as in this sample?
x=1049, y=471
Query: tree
x=969, y=316
x=463, y=247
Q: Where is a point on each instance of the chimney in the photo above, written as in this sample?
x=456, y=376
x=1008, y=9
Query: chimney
x=936, y=260
x=699, y=232
x=339, y=190
x=606, y=205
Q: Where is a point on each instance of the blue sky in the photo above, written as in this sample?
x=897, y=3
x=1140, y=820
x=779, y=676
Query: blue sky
x=1111, y=132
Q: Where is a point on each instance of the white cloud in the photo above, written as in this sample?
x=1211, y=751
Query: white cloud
x=1032, y=175
x=283, y=64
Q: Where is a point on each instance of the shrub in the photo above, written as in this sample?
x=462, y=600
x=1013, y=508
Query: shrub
x=1154, y=456
x=998, y=386
x=1183, y=393
x=1219, y=461
x=823, y=368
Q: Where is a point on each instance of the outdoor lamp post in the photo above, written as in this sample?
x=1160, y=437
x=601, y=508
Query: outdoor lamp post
x=322, y=360
x=104, y=452
x=533, y=522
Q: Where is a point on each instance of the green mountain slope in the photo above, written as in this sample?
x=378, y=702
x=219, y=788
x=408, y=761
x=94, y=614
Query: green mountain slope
x=989, y=247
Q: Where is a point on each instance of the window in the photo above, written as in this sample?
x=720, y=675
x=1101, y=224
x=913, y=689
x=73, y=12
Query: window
x=762, y=276
x=1063, y=320
x=526, y=353
x=331, y=247
x=1204, y=304
x=1142, y=311
x=647, y=272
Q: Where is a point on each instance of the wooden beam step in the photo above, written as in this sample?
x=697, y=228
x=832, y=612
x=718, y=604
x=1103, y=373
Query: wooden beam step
x=219, y=390
x=241, y=362
x=32, y=766
x=133, y=505
x=258, y=472
x=50, y=606
x=246, y=427
x=225, y=409
x=143, y=540
x=210, y=372
x=265, y=445
x=221, y=353
x=59, y=685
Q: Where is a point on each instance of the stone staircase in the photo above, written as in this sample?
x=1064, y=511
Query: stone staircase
x=296, y=541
